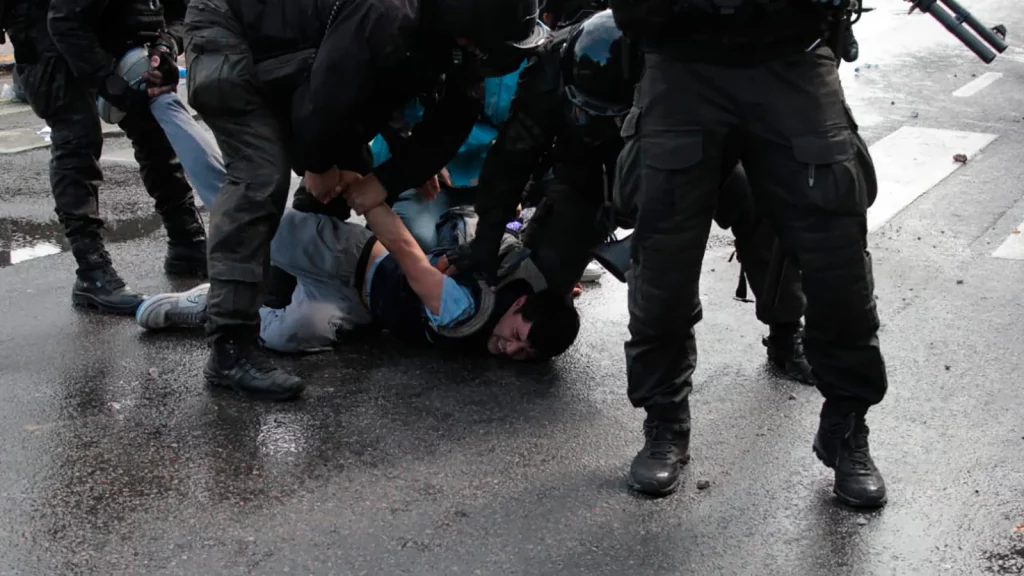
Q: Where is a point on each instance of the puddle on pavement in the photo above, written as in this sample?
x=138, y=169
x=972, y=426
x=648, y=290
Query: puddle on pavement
x=22, y=240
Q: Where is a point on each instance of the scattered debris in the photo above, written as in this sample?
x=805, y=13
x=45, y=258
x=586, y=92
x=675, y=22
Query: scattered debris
x=154, y=372
x=914, y=114
x=792, y=396
x=961, y=158
x=862, y=521
x=1018, y=528
x=1016, y=232
x=893, y=103
x=947, y=367
x=703, y=484
x=959, y=281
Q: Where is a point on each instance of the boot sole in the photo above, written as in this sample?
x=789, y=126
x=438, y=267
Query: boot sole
x=224, y=383
x=843, y=498
x=82, y=300
x=653, y=492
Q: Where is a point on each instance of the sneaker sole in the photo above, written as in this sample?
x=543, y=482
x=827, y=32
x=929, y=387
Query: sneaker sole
x=144, y=318
x=222, y=382
x=82, y=300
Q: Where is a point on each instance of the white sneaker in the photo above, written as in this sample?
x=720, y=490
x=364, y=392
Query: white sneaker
x=174, y=309
x=592, y=273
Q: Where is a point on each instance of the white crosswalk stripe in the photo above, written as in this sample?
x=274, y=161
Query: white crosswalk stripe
x=912, y=160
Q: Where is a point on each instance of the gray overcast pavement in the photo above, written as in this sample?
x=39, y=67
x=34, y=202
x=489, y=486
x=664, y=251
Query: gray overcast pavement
x=115, y=459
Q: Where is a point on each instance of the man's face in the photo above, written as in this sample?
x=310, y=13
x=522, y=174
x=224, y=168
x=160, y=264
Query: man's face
x=509, y=337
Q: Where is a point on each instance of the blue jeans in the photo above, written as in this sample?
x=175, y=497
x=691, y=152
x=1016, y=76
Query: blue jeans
x=420, y=216
x=197, y=150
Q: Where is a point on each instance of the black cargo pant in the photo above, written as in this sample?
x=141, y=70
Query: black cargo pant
x=252, y=138
x=799, y=149
x=69, y=109
x=782, y=303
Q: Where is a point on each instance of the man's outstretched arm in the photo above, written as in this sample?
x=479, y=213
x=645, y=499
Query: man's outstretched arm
x=425, y=280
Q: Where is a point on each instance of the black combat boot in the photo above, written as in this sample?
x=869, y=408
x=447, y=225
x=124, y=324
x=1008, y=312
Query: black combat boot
x=655, y=470
x=186, y=242
x=785, y=344
x=240, y=364
x=842, y=445
x=98, y=285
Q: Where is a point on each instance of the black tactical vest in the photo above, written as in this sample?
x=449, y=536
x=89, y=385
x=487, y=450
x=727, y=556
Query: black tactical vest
x=653, y=21
x=126, y=24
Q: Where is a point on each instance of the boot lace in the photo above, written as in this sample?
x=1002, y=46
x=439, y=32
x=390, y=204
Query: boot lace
x=662, y=439
x=859, y=455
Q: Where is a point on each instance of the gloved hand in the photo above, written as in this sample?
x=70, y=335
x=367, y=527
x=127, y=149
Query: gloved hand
x=117, y=91
x=464, y=259
x=163, y=57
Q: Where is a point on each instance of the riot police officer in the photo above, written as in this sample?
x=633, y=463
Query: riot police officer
x=304, y=85
x=565, y=120
x=67, y=52
x=755, y=76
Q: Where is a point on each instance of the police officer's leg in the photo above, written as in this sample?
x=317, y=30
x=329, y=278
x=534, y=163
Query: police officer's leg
x=164, y=179
x=69, y=109
x=678, y=140
x=564, y=230
x=803, y=164
x=783, y=308
x=248, y=208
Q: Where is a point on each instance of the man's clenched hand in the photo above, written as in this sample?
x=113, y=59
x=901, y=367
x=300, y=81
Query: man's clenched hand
x=364, y=194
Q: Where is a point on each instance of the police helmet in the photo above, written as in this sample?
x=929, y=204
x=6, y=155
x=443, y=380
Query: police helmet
x=600, y=67
x=131, y=67
x=493, y=24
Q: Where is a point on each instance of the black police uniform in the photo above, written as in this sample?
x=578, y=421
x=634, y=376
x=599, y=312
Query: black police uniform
x=331, y=73
x=752, y=76
x=66, y=53
x=565, y=117
x=546, y=132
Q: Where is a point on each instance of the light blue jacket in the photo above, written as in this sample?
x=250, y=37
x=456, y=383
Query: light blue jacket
x=465, y=168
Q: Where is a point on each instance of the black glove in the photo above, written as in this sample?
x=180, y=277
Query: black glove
x=115, y=89
x=467, y=260
x=164, y=49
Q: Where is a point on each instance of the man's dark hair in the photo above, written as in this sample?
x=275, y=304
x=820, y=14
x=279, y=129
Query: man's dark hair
x=555, y=323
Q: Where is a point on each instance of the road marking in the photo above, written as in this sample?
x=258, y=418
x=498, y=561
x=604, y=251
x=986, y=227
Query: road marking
x=1013, y=247
x=24, y=139
x=39, y=250
x=911, y=161
x=978, y=84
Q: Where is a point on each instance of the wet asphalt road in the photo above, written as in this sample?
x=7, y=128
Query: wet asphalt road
x=115, y=459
